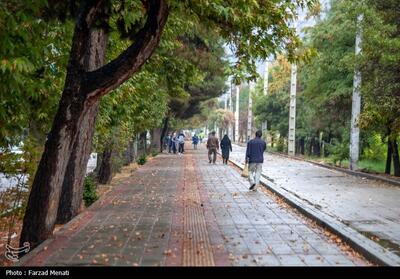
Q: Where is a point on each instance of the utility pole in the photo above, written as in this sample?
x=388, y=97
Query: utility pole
x=237, y=114
x=292, y=111
x=250, y=112
x=356, y=104
x=230, y=128
x=266, y=76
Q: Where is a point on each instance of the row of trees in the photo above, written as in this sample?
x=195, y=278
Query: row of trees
x=325, y=85
x=75, y=73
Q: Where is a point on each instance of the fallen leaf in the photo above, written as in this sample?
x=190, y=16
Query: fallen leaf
x=167, y=252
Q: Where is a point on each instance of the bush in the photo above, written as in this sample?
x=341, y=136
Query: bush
x=142, y=160
x=339, y=151
x=89, y=192
x=375, y=149
x=280, y=146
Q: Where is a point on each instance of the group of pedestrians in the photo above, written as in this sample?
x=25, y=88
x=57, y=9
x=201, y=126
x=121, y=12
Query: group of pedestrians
x=254, y=155
x=176, y=143
x=254, y=151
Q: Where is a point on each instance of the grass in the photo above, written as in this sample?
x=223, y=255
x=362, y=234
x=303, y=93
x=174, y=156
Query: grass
x=367, y=165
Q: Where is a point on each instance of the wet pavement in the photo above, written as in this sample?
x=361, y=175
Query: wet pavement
x=183, y=211
x=368, y=206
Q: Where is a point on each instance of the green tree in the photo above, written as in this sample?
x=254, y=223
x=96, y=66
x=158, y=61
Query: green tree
x=88, y=80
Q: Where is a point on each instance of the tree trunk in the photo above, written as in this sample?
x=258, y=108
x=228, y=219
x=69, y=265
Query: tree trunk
x=82, y=90
x=72, y=189
x=396, y=161
x=105, y=171
x=317, y=148
x=164, y=132
x=129, y=154
x=156, y=139
x=389, y=157
x=311, y=147
x=302, y=146
x=142, y=144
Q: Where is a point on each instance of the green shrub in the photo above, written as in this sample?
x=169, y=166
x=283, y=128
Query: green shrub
x=89, y=192
x=280, y=146
x=142, y=160
x=375, y=149
x=339, y=151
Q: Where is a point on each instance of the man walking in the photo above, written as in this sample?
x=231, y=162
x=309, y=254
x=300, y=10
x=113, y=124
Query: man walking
x=195, y=141
x=181, y=140
x=212, y=146
x=255, y=158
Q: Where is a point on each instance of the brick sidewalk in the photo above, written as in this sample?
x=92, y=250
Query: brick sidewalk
x=182, y=211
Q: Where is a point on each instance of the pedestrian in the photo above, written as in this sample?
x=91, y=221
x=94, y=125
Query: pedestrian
x=181, y=142
x=173, y=144
x=212, y=146
x=226, y=147
x=167, y=143
x=195, y=141
x=255, y=158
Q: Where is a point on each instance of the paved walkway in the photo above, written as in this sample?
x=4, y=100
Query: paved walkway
x=182, y=211
x=368, y=206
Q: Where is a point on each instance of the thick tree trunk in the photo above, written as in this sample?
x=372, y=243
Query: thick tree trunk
x=156, y=139
x=72, y=189
x=164, y=132
x=396, y=160
x=82, y=90
x=388, y=167
x=105, y=171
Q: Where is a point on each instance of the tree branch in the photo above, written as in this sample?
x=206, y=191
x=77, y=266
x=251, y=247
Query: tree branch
x=110, y=76
x=85, y=19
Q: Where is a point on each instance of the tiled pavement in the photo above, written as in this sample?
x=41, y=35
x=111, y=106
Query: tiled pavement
x=368, y=206
x=182, y=211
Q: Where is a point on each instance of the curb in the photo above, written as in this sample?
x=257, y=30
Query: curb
x=368, y=248
x=347, y=171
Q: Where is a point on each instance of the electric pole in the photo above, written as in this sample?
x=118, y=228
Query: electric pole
x=356, y=104
x=230, y=128
x=292, y=112
x=237, y=114
x=266, y=76
x=250, y=111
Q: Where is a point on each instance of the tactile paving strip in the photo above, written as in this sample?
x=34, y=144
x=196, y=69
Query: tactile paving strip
x=197, y=250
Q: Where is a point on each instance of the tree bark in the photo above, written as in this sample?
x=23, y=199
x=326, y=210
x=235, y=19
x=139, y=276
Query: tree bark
x=82, y=90
x=317, y=148
x=388, y=167
x=129, y=154
x=72, y=189
x=105, y=171
x=156, y=139
x=396, y=160
x=164, y=132
x=302, y=146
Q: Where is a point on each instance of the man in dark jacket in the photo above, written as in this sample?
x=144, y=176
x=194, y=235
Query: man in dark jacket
x=255, y=158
